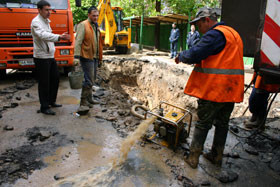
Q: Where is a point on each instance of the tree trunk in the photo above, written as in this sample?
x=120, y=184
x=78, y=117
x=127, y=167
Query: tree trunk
x=157, y=35
x=158, y=6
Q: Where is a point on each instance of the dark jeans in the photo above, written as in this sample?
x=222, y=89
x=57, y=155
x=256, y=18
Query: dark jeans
x=90, y=70
x=173, y=49
x=212, y=113
x=48, y=81
x=258, y=102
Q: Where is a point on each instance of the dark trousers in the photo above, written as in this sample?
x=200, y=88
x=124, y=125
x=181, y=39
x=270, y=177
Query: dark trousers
x=173, y=49
x=258, y=102
x=217, y=114
x=90, y=70
x=212, y=113
x=48, y=81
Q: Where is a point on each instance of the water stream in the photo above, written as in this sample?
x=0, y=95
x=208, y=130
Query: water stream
x=108, y=173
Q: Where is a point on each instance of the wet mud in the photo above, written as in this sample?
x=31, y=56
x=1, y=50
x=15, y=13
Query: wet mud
x=24, y=160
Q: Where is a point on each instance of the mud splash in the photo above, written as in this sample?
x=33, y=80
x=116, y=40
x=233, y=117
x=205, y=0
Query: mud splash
x=108, y=173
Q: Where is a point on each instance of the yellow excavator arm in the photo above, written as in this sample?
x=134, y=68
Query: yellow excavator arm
x=105, y=11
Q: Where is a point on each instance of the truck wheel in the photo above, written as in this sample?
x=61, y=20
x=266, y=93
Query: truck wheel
x=121, y=50
x=66, y=70
x=2, y=73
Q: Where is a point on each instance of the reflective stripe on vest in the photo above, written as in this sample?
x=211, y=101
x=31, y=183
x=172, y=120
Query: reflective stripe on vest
x=219, y=71
x=220, y=77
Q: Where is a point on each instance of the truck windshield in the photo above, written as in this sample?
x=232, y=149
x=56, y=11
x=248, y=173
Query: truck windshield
x=55, y=4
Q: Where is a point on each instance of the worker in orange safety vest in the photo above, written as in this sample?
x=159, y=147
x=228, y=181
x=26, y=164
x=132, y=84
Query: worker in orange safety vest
x=217, y=80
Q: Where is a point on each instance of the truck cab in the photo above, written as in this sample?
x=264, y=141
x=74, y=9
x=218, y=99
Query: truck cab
x=16, y=44
x=258, y=23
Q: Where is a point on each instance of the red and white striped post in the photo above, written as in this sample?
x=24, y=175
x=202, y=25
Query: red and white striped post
x=270, y=45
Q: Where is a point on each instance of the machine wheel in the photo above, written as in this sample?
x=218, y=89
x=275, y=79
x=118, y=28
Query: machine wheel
x=121, y=50
x=3, y=73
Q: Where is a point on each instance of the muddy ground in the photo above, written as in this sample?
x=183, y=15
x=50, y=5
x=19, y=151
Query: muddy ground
x=39, y=150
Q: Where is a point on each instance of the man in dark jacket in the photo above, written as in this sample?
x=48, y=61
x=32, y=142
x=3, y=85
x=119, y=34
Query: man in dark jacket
x=193, y=37
x=174, y=36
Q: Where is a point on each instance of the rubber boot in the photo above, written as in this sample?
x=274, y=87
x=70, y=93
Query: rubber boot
x=89, y=98
x=196, y=147
x=88, y=93
x=83, y=109
x=215, y=156
x=252, y=122
x=258, y=122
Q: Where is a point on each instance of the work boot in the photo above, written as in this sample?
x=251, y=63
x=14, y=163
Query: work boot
x=254, y=122
x=215, y=156
x=83, y=109
x=89, y=98
x=196, y=147
x=88, y=94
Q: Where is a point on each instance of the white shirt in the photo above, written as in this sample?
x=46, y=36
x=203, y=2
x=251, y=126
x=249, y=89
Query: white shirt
x=43, y=38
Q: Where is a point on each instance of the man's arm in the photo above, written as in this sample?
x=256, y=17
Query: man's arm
x=170, y=40
x=211, y=43
x=80, y=35
x=177, y=35
x=43, y=34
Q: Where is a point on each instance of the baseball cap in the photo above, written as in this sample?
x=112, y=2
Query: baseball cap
x=204, y=12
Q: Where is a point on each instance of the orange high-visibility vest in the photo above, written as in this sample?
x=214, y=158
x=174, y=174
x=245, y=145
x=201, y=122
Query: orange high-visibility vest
x=89, y=47
x=260, y=84
x=220, y=77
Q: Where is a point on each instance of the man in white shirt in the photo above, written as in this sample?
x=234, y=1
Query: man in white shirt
x=43, y=53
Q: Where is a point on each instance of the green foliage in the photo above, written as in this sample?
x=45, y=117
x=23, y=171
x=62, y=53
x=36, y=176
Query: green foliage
x=146, y=7
x=138, y=7
x=80, y=13
x=190, y=6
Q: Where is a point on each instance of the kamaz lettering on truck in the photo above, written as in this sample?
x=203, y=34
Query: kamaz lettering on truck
x=16, y=44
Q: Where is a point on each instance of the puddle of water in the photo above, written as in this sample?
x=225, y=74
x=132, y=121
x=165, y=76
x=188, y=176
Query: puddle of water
x=30, y=103
x=107, y=175
x=65, y=100
x=68, y=161
x=87, y=151
x=70, y=100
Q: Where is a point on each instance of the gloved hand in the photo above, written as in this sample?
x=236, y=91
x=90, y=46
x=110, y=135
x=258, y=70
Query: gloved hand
x=76, y=62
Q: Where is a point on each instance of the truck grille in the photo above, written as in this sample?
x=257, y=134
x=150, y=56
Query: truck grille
x=22, y=39
x=16, y=39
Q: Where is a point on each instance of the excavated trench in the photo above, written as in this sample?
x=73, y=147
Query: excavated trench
x=152, y=81
x=148, y=81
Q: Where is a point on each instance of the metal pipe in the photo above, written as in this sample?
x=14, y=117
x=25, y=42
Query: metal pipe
x=141, y=32
x=164, y=102
x=135, y=107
